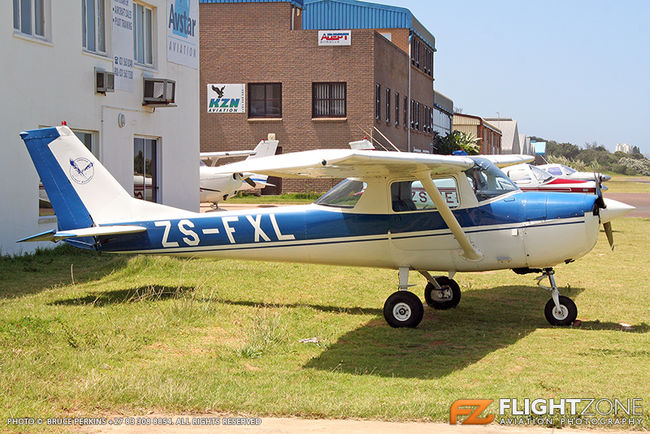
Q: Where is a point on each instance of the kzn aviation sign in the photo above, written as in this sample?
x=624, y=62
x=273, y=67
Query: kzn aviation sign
x=226, y=98
x=334, y=37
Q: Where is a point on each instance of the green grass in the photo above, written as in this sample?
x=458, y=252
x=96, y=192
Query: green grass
x=628, y=184
x=139, y=334
x=279, y=198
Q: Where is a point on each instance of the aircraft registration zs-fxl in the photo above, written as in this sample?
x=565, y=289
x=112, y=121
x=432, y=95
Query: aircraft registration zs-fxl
x=483, y=222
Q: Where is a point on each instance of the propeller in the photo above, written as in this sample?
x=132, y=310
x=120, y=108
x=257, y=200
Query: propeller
x=607, y=226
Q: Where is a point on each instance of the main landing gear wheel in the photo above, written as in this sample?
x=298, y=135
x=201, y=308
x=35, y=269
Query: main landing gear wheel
x=565, y=315
x=403, y=309
x=447, y=297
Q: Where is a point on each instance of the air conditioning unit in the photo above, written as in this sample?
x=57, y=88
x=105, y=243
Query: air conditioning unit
x=104, y=81
x=159, y=92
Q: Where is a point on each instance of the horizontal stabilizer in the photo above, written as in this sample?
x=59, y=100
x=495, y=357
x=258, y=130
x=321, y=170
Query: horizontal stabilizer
x=54, y=235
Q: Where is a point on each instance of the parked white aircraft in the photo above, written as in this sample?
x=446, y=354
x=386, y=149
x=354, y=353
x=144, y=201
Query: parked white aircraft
x=562, y=171
x=532, y=178
x=369, y=219
x=217, y=186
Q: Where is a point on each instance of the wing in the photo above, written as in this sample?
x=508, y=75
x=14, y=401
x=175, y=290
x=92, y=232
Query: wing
x=343, y=163
x=212, y=157
x=504, y=160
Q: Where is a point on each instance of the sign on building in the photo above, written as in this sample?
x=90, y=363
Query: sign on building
x=226, y=98
x=122, y=38
x=183, y=32
x=334, y=37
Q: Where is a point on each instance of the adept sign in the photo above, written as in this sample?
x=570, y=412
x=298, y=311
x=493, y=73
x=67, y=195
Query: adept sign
x=226, y=98
x=334, y=37
x=183, y=32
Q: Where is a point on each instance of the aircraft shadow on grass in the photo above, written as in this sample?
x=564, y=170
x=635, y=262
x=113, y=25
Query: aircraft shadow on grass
x=133, y=295
x=446, y=341
x=37, y=269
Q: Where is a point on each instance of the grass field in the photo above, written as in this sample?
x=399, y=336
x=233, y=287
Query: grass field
x=89, y=334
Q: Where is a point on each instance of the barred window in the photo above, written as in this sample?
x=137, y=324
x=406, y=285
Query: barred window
x=397, y=109
x=377, y=101
x=387, y=105
x=328, y=100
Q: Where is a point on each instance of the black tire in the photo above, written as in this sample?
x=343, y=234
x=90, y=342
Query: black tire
x=403, y=309
x=566, y=317
x=447, y=284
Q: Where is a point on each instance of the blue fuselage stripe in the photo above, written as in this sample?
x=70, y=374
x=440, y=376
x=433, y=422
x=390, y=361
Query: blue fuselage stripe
x=270, y=227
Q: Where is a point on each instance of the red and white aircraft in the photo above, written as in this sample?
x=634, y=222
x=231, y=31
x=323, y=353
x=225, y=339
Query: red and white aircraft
x=532, y=178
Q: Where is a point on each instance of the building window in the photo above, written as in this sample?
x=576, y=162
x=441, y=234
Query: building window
x=397, y=109
x=265, y=100
x=377, y=101
x=405, y=114
x=30, y=17
x=143, y=34
x=145, y=169
x=93, y=25
x=387, y=105
x=417, y=115
x=329, y=100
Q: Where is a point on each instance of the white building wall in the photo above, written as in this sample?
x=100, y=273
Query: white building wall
x=46, y=82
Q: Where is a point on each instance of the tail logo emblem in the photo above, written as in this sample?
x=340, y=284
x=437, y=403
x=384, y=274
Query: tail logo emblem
x=81, y=170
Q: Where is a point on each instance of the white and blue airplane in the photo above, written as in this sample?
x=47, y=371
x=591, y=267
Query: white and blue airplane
x=215, y=185
x=473, y=218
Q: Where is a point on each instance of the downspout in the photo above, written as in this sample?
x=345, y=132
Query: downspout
x=292, y=15
x=408, y=119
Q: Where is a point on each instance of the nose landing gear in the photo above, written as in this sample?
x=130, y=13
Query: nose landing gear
x=559, y=310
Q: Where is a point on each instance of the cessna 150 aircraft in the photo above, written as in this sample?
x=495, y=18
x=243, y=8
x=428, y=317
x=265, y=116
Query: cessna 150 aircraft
x=215, y=185
x=370, y=219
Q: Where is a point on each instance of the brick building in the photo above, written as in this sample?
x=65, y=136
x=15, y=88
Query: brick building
x=488, y=134
x=375, y=81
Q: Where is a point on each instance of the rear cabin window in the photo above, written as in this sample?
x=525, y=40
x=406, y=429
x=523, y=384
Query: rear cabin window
x=411, y=195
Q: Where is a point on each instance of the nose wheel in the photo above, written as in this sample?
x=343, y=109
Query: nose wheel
x=559, y=310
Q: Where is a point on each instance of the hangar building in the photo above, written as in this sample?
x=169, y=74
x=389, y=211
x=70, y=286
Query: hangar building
x=124, y=76
x=317, y=74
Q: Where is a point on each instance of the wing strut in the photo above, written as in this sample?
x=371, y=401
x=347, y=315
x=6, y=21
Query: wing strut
x=469, y=251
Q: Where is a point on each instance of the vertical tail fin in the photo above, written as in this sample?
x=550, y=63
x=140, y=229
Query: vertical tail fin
x=265, y=148
x=82, y=191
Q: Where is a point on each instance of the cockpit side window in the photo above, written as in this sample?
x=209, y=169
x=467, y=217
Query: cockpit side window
x=345, y=194
x=411, y=195
x=487, y=180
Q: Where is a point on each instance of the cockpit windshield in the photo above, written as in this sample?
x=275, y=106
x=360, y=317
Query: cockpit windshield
x=541, y=175
x=487, y=180
x=568, y=170
x=345, y=194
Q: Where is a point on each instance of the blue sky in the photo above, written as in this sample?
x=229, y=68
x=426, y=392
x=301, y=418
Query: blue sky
x=572, y=70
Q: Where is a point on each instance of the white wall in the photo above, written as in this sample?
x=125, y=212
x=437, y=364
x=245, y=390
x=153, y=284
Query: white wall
x=44, y=83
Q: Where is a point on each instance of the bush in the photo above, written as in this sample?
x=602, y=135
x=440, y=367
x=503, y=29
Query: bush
x=631, y=166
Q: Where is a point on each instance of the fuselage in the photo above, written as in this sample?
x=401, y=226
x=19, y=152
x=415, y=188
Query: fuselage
x=514, y=231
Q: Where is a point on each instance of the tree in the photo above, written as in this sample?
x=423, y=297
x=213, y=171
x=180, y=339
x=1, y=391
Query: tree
x=455, y=141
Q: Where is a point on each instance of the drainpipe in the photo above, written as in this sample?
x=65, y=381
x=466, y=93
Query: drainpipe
x=408, y=118
x=292, y=15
